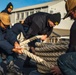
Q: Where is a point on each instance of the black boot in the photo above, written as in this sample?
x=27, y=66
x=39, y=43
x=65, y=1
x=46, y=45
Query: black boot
x=12, y=70
x=27, y=62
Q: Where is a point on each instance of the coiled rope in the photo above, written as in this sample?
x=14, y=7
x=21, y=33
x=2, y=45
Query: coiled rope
x=46, y=54
x=50, y=53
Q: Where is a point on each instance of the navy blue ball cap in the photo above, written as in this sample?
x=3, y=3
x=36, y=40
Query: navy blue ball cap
x=55, y=18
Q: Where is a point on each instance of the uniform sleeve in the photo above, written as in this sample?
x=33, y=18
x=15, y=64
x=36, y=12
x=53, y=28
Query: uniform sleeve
x=11, y=37
x=28, y=21
x=5, y=45
x=49, y=32
x=32, y=31
x=17, y=29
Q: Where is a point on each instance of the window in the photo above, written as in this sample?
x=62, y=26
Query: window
x=22, y=15
x=37, y=11
x=27, y=14
x=31, y=12
x=18, y=16
x=51, y=12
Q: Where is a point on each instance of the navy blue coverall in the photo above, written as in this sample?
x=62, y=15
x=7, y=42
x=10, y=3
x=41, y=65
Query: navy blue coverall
x=7, y=40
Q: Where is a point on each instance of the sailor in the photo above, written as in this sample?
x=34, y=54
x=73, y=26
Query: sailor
x=8, y=8
x=9, y=44
x=67, y=62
